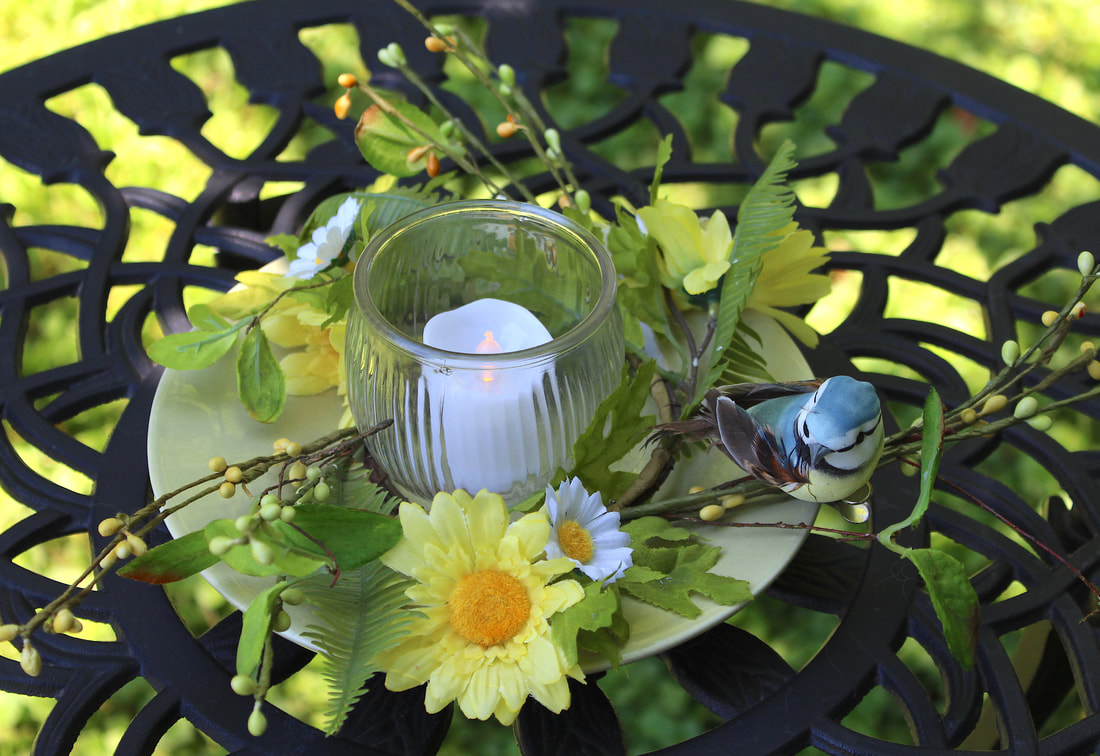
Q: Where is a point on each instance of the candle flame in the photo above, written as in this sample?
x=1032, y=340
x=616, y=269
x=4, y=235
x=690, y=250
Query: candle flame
x=488, y=345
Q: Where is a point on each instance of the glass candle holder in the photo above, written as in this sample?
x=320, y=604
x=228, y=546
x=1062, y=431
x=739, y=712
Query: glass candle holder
x=487, y=331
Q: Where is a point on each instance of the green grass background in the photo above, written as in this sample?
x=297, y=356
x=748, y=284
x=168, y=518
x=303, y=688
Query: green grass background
x=1044, y=46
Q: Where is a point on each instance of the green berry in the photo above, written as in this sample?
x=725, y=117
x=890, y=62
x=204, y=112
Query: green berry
x=321, y=491
x=281, y=623
x=271, y=512
x=507, y=74
x=257, y=722
x=269, y=499
x=261, y=552
x=1026, y=407
x=1086, y=263
x=243, y=523
x=287, y=514
x=292, y=596
x=313, y=472
x=583, y=200
x=220, y=545
x=1010, y=352
x=243, y=685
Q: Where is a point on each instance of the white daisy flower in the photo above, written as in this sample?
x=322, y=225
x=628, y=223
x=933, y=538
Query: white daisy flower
x=327, y=242
x=582, y=529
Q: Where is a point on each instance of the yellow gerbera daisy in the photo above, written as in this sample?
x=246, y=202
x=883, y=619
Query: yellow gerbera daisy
x=694, y=254
x=485, y=595
x=786, y=280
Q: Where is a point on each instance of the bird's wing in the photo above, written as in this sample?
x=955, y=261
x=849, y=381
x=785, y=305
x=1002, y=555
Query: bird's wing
x=753, y=446
x=748, y=394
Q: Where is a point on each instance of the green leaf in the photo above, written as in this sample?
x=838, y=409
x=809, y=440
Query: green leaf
x=361, y=616
x=193, y=350
x=664, y=152
x=256, y=628
x=689, y=575
x=385, y=140
x=340, y=298
x=313, y=295
x=931, y=449
x=593, y=612
x=287, y=243
x=260, y=381
x=596, y=450
x=204, y=318
x=954, y=599
x=765, y=212
x=351, y=537
x=175, y=560
x=670, y=566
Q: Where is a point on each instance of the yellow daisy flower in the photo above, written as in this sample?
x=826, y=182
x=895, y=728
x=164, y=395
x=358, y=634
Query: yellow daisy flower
x=786, y=280
x=694, y=254
x=485, y=595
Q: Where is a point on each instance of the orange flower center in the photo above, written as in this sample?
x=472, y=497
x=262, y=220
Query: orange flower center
x=575, y=541
x=489, y=607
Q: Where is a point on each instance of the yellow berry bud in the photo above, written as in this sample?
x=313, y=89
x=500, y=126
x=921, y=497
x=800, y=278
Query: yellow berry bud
x=347, y=80
x=226, y=490
x=1094, y=370
x=293, y=449
x=63, y=621
x=29, y=660
x=1086, y=346
x=122, y=551
x=1049, y=317
x=1079, y=310
x=217, y=464
x=280, y=444
x=136, y=544
x=995, y=403
x=711, y=512
x=968, y=416
x=234, y=474
x=110, y=526
x=8, y=632
x=733, y=500
x=435, y=45
x=1025, y=408
x=696, y=489
x=297, y=472
x=506, y=129
x=431, y=167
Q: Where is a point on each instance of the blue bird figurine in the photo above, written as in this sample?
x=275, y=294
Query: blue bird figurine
x=815, y=440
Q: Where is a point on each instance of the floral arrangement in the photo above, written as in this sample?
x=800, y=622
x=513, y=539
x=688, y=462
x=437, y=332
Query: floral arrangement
x=487, y=605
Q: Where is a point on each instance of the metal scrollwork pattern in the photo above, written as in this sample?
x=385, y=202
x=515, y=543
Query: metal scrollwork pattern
x=1015, y=146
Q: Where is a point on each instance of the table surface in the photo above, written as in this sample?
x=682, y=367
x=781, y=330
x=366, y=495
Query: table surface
x=790, y=81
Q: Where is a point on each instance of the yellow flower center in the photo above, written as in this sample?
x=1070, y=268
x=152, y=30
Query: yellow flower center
x=489, y=607
x=575, y=541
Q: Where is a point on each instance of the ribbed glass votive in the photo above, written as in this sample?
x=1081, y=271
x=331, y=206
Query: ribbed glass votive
x=488, y=332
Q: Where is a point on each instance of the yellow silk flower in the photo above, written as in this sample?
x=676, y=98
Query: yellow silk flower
x=786, y=279
x=694, y=254
x=485, y=595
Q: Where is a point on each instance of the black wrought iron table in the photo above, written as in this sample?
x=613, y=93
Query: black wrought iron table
x=902, y=99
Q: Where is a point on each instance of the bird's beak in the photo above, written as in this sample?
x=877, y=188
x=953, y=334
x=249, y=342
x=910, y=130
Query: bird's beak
x=818, y=453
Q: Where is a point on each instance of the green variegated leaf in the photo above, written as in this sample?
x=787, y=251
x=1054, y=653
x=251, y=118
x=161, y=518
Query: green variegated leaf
x=386, y=140
x=175, y=560
x=261, y=383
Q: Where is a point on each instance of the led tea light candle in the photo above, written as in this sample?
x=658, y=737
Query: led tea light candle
x=489, y=419
x=487, y=332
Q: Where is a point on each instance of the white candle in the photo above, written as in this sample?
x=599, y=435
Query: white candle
x=485, y=421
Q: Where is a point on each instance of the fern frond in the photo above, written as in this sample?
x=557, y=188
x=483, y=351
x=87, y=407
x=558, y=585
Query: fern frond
x=361, y=616
x=765, y=212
